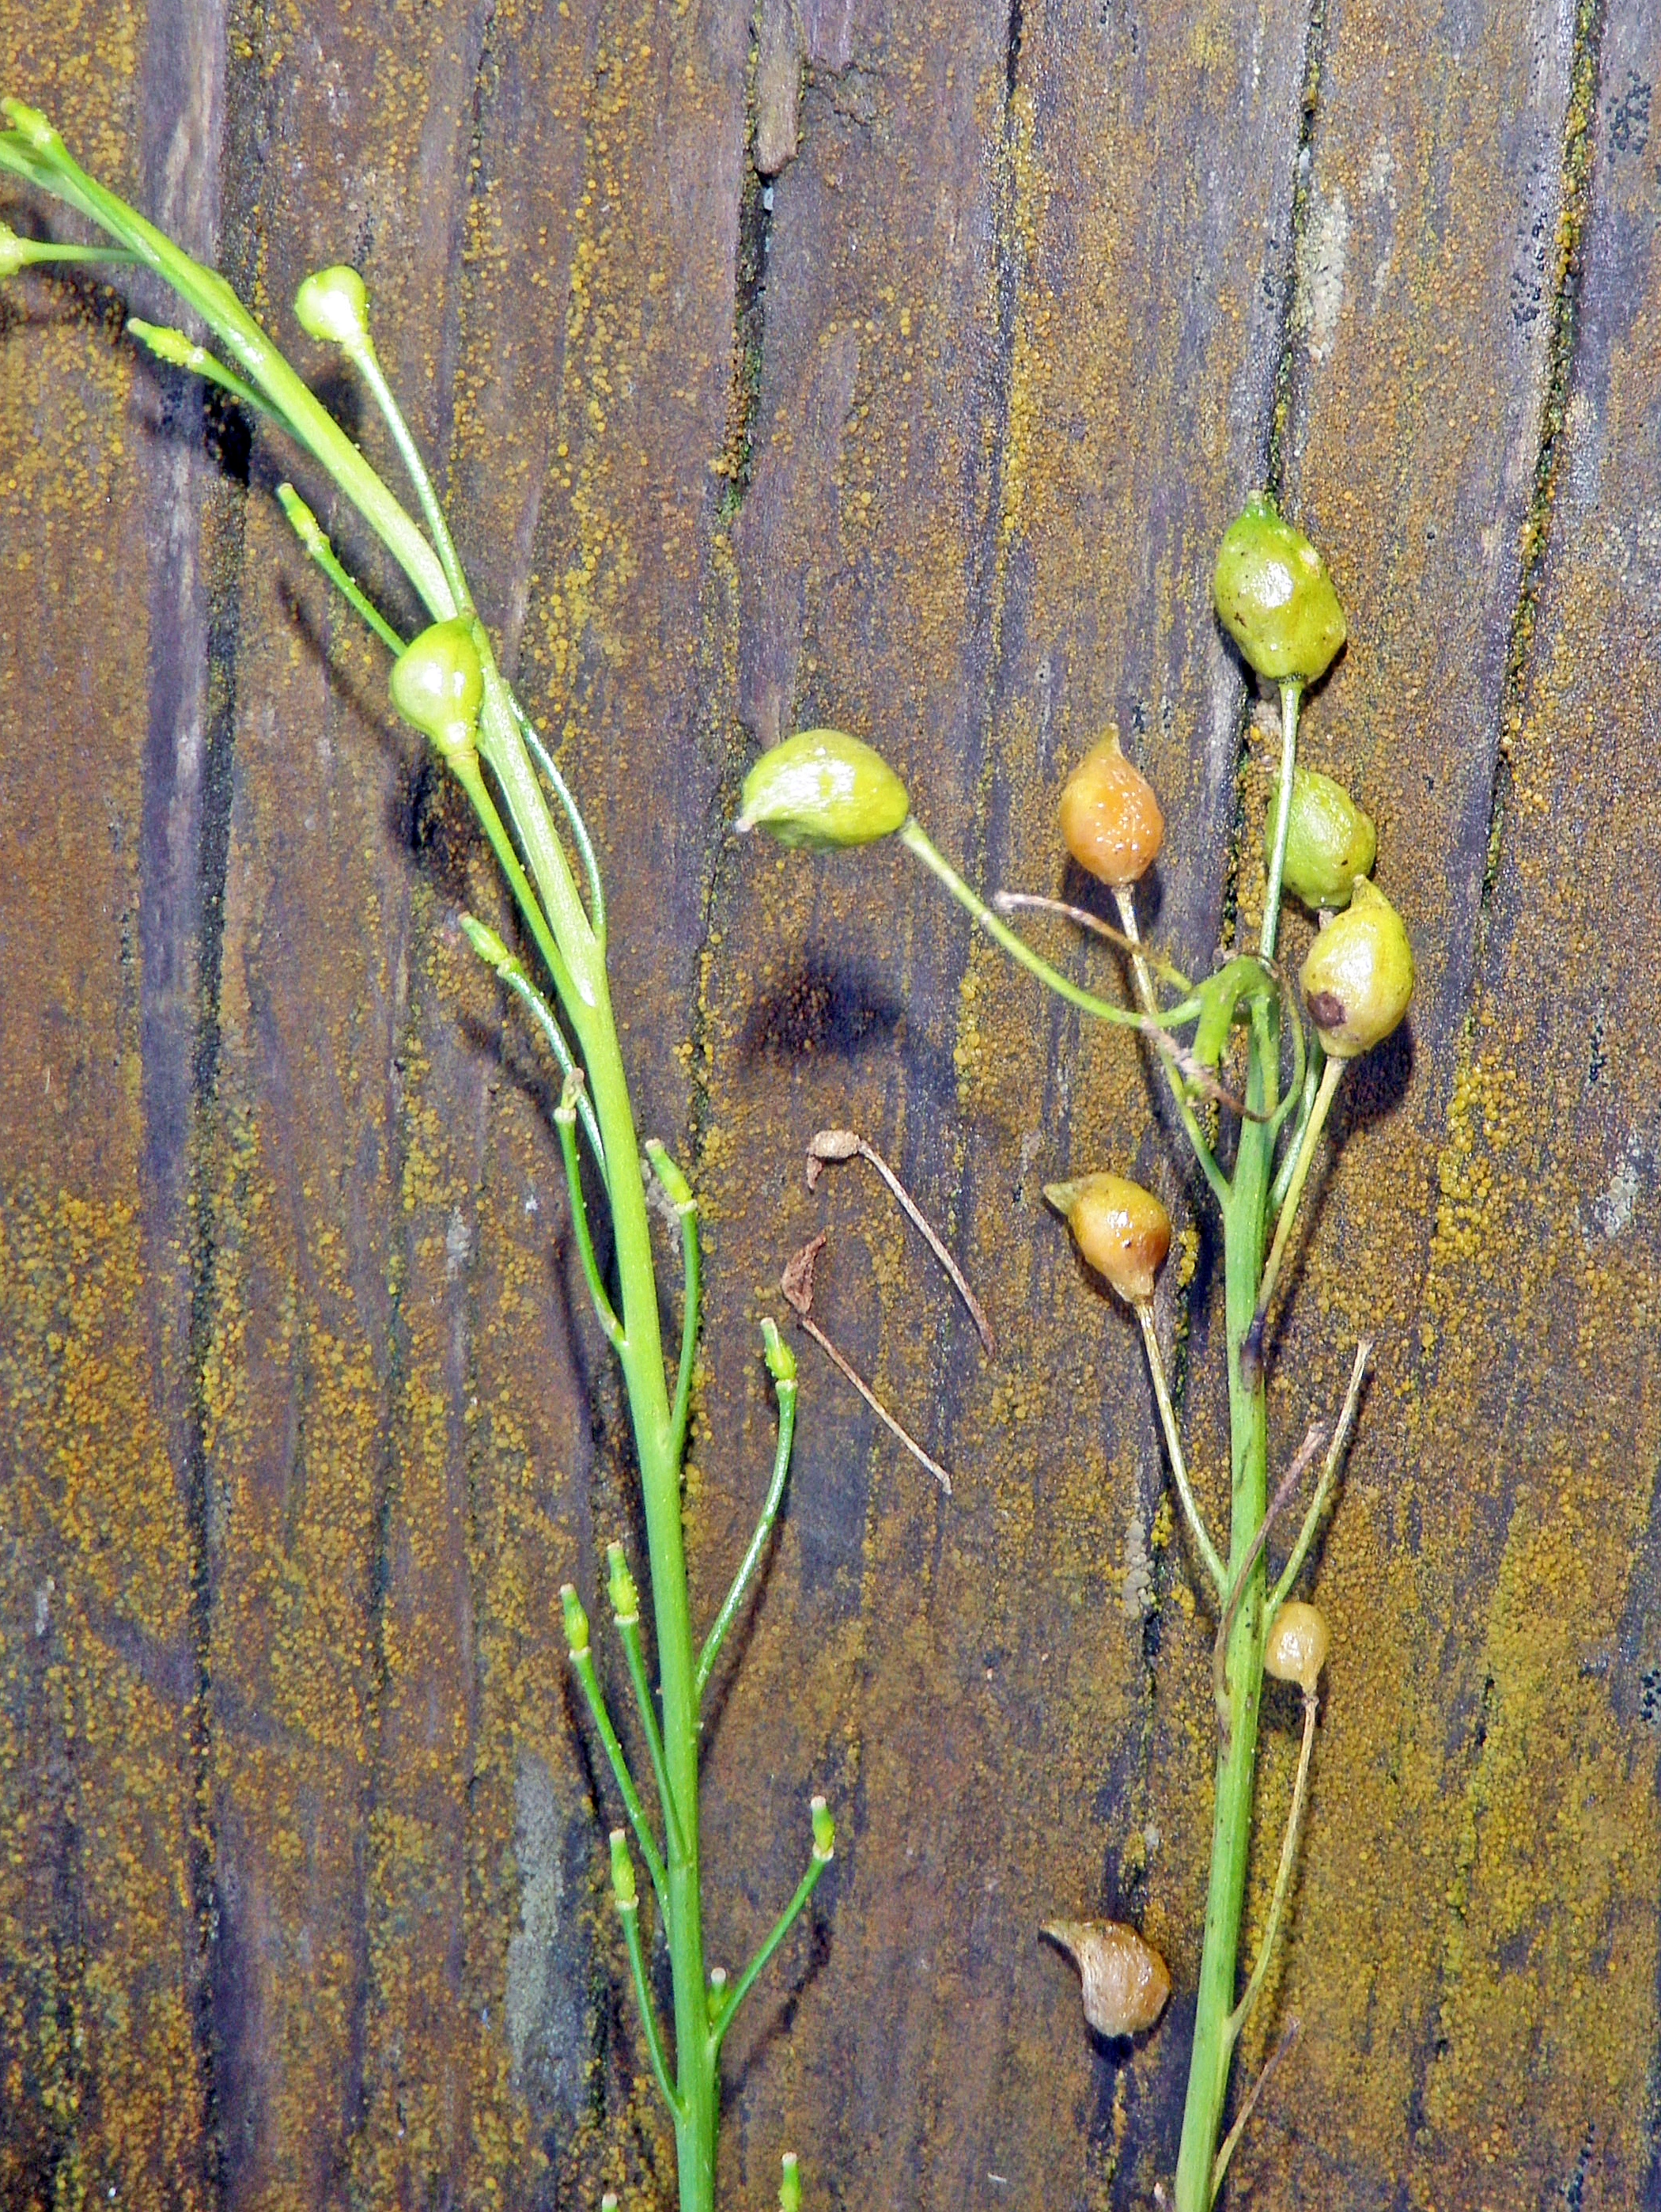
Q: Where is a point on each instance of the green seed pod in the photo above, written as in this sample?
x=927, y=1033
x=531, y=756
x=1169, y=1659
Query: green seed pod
x=1121, y=1229
x=1358, y=978
x=1295, y=1648
x=1329, y=841
x=333, y=305
x=438, y=684
x=822, y=789
x=1276, y=598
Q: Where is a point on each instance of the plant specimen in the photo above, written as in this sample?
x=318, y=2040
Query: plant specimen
x=447, y=683
x=1233, y=1045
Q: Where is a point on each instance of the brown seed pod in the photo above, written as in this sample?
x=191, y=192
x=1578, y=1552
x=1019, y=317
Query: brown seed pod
x=1296, y=1646
x=1126, y=1982
x=1110, y=819
x=1121, y=1229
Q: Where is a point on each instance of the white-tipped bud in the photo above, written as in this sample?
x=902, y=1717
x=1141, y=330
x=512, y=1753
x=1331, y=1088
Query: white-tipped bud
x=333, y=305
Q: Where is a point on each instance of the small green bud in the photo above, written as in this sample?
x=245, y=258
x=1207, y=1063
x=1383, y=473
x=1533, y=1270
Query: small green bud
x=622, y=1873
x=675, y=1185
x=1329, y=841
x=15, y=253
x=333, y=305
x=625, y=1596
x=1358, y=978
x=576, y=1620
x=1276, y=598
x=31, y=124
x=438, y=684
x=790, y=2185
x=781, y=1360
x=720, y=1995
x=822, y=789
x=486, y=943
x=824, y=1830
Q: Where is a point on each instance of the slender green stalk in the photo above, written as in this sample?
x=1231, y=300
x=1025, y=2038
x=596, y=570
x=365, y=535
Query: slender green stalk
x=781, y=1928
x=314, y=539
x=574, y=816
x=565, y=1120
x=1300, y=1175
x=1291, y=696
x=912, y=836
x=1244, y=1226
x=1237, y=2018
x=685, y=1208
x=583, y=1661
x=1336, y=1450
x=1125, y=900
x=1201, y=1533
x=628, y=1631
x=630, y=1916
x=786, y=1386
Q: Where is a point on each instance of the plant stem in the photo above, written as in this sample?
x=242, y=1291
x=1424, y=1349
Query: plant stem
x=785, y=1387
x=1291, y=696
x=912, y=836
x=1214, y=1175
x=1300, y=1176
x=1245, y=1230
x=1201, y=1533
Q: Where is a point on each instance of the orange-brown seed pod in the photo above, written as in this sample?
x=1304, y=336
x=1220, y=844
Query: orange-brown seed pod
x=1110, y=819
x=1121, y=1229
x=1126, y=1982
x=1295, y=1648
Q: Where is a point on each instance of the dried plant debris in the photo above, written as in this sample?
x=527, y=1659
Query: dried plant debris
x=830, y=1144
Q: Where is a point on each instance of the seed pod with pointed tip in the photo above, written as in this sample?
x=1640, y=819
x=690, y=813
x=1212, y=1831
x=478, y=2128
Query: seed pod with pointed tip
x=1296, y=1646
x=1121, y=1229
x=332, y=305
x=1329, y=841
x=1274, y=596
x=438, y=684
x=1111, y=822
x=823, y=789
x=1358, y=978
x=1126, y=1982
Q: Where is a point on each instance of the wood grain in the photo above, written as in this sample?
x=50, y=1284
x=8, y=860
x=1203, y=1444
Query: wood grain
x=896, y=367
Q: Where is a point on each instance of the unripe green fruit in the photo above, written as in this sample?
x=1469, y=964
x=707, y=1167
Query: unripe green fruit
x=1276, y=598
x=1295, y=1648
x=1328, y=841
x=333, y=304
x=438, y=684
x=1358, y=978
x=823, y=789
x=1121, y=1229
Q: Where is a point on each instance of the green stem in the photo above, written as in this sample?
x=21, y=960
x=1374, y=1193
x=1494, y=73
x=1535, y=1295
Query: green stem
x=1201, y=1533
x=563, y=792
x=1201, y=1152
x=685, y=1208
x=913, y=836
x=630, y=1916
x=312, y=536
x=628, y=1630
x=1245, y=1231
x=583, y=1661
x=565, y=1120
x=1300, y=1176
x=367, y=362
x=758, y=1543
x=1291, y=697
x=781, y=1928
x=1237, y=2018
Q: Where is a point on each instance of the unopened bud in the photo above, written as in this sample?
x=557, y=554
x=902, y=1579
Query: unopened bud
x=625, y=1596
x=1358, y=978
x=622, y=1873
x=781, y=1360
x=1328, y=841
x=1274, y=596
x=1111, y=822
x=1121, y=1229
x=576, y=1620
x=333, y=305
x=824, y=1830
x=1295, y=1648
x=823, y=789
x=1126, y=1982
x=438, y=684
x=15, y=253
x=486, y=943
x=790, y=2184
x=30, y=125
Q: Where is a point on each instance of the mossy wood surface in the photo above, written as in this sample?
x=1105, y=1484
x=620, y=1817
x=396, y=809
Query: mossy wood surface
x=303, y=1418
